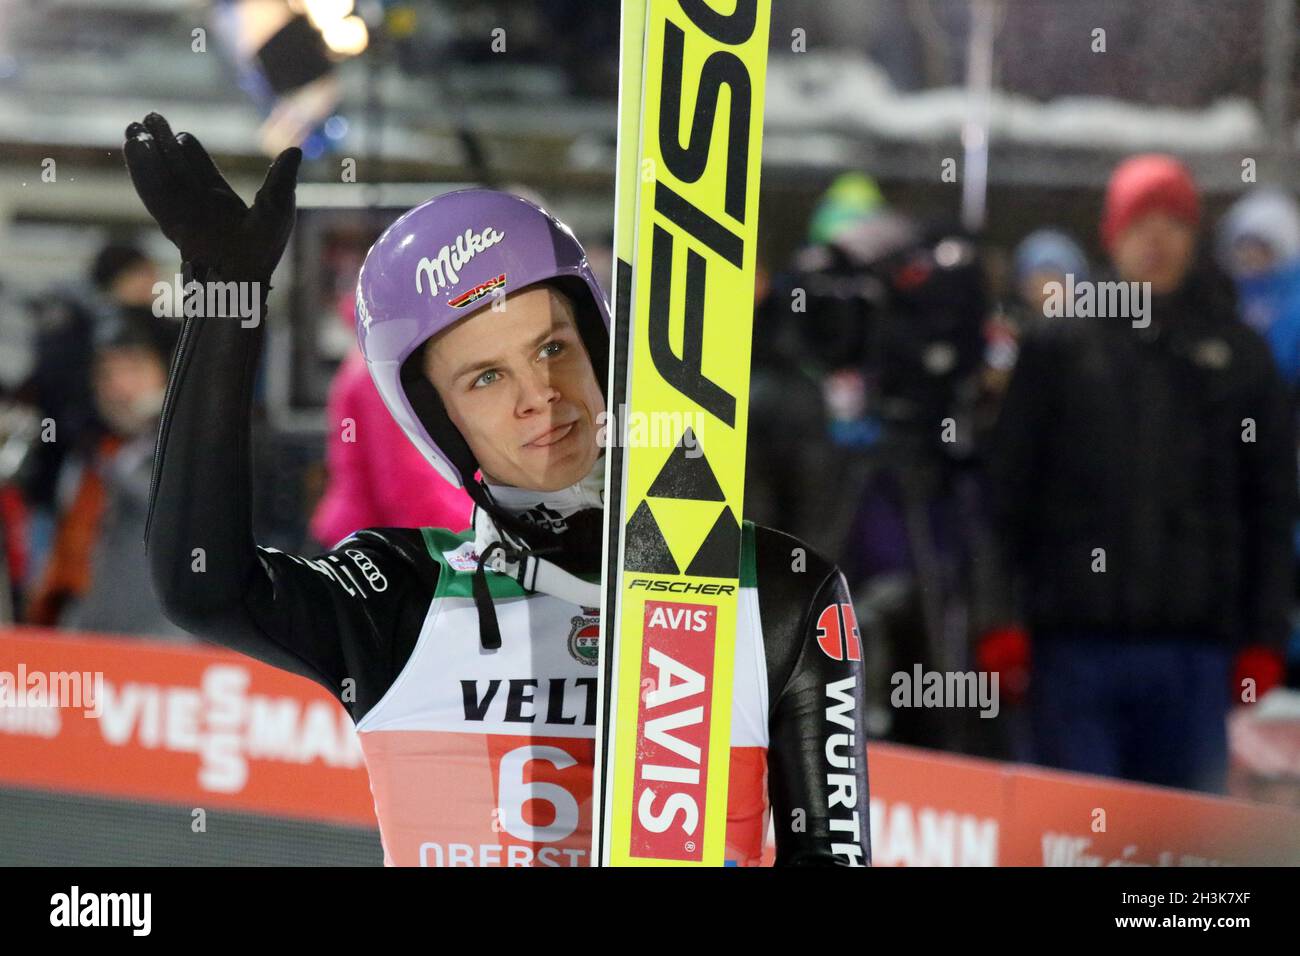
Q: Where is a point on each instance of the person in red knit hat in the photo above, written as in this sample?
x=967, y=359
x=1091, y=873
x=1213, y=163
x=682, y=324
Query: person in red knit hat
x=1144, y=483
x=1150, y=221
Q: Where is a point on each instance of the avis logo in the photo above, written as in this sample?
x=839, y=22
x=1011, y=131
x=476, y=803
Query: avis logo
x=681, y=618
x=673, y=730
x=837, y=633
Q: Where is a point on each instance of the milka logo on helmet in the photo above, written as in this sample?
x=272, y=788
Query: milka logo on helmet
x=443, y=270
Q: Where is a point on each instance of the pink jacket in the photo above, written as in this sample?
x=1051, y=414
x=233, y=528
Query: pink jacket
x=378, y=480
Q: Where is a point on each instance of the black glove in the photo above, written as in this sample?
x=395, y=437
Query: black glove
x=199, y=212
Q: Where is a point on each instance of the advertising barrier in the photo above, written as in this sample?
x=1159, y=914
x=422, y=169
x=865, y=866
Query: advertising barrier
x=196, y=726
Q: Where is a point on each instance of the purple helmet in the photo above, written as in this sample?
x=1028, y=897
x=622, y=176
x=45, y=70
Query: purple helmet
x=441, y=262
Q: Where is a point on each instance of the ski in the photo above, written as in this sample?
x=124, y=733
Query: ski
x=689, y=157
x=627, y=156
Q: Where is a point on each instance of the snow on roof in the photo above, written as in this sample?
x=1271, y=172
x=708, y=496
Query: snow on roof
x=845, y=93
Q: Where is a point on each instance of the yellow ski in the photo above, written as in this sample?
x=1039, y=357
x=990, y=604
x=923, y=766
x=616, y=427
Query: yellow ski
x=689, y=155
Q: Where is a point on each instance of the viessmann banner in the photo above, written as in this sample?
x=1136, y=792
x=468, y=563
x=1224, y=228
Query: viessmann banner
x=194, y=726
x=201, y=727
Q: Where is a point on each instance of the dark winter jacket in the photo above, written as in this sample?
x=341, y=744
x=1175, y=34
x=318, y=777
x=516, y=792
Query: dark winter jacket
x=1145, y=478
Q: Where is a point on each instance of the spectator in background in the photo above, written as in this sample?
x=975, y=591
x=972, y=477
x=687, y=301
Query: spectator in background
x=121, y=282
x=1259, y=245
x=376, y=477
x=1043, y=257
x=122, y=279
x=851, y=200
x=97, y=577
x=809, y=426
x=126, y=275
x=1145, y=480
x=18, y=428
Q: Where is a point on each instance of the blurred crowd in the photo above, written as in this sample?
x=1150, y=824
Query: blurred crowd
x=78, y=431
x=1077, y=475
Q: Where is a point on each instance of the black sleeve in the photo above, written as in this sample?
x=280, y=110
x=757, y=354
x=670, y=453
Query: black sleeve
x=817, y=750
x=1268, y=503
x=320, y=618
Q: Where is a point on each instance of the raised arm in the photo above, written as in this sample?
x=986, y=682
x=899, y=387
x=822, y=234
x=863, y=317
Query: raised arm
x=324, y=618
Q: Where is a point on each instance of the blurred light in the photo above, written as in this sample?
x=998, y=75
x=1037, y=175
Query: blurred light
x=296, y=114
x=939, y=358
x=347, y=36
x=312, y=148
x=401, y=22
x=951, y=253
x=336, y=127
x=324, y=13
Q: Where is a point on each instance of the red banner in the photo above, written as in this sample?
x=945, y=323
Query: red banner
x=195, y=726
x=939, y=810
x=202, y=727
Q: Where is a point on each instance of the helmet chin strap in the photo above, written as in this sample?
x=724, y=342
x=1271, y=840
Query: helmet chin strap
x=507, y=519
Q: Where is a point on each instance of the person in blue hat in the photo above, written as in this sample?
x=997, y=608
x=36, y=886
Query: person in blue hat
x=1259, y=246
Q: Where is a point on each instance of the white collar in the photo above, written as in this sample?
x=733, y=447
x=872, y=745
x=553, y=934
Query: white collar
x=550, y=508
x=543, y=509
